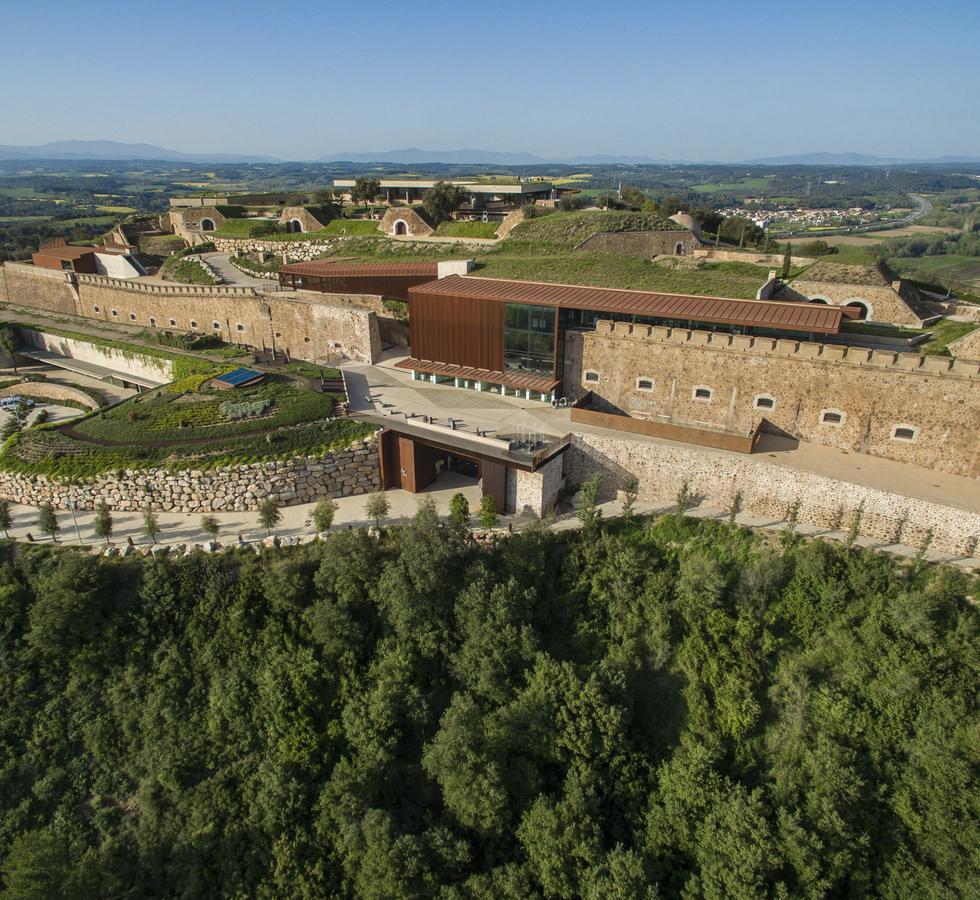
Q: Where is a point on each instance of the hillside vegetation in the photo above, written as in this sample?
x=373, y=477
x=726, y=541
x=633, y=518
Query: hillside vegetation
x=666, y=709
x=574, y=227
x=540, y=249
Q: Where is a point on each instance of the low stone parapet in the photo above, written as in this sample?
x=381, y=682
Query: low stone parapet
x=46, y=390
x=342, y=473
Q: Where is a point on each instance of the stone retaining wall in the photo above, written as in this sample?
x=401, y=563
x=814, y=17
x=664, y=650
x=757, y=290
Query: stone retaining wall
x=342, y=473
x=47, y=390
x=770, y=491
x=653, y=372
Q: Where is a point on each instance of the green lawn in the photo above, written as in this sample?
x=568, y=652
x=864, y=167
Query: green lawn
x=350, y=227
x=574, y=227
x=943, y=333
x=468, y=229
x=947, y=270
x=243, y=228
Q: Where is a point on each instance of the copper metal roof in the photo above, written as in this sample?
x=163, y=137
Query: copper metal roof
x=329, y=268
x=809, y=317
x=65, y=251
x=540, y=383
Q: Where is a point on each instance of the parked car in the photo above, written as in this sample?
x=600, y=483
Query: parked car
x=15, y=401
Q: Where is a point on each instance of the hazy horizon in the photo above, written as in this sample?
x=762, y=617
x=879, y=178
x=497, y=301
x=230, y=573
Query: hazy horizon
x=306, y=81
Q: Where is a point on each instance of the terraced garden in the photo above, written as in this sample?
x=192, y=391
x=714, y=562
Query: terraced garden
x=189, y=424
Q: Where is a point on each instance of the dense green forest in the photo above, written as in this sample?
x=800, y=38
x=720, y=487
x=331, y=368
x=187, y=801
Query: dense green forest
x=644, y=708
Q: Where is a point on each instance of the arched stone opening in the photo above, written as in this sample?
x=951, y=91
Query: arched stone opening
x=862, y=306
x=294, y=226
x=207, y=224
x=820, y=300
x=678, y=249
x=401, y=227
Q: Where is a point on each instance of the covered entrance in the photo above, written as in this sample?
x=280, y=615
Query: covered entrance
x=413, y=464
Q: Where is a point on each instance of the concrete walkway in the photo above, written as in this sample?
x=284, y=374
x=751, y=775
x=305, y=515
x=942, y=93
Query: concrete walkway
x=221, y=264
x=185, y=528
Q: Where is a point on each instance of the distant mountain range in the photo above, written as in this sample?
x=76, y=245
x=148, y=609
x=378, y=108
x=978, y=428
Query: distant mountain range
x=856, y=159
x=116, y=150
x=414, y=156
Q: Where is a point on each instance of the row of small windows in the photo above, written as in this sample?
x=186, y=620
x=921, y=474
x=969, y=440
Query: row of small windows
x=132, y=317
x=767, y=402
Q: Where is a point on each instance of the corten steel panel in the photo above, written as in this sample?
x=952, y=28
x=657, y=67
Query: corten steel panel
x=493, y=476
x=388, y=447
x=778, y=314
x=457, y=330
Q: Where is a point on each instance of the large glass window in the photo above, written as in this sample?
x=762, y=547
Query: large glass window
x=529, y=338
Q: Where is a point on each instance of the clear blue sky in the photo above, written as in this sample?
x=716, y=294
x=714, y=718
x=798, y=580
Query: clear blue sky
x=299, y=79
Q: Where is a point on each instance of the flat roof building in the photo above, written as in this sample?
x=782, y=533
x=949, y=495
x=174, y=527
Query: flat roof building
x=413, y=190
x=509, y=335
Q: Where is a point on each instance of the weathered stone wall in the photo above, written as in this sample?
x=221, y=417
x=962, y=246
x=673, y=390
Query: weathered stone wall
x=307, y=325
x=288, y=251
x=307, y=220
x=416, y=225
x=510, y=222
x=342, y=473
x=874, y=390
x=26, y=285
x=967, y=347
x=753, y=257
x=534, y=492
x=884, y=302
x=49, y=390
x=769, y=490
x=643, y=244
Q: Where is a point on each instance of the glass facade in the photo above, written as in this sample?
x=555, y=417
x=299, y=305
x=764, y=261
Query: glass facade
x=529, y=338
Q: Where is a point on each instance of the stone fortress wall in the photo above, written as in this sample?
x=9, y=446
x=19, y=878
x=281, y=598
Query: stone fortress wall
x=770, y=491
x=342, y=473
x=307, y=326
x=653, y=372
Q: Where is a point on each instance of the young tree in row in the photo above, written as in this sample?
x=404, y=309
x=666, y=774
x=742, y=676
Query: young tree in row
x=488, y=516
x=323, y=514
x=103, y=521
x=377, y=507
x=459, y=511
x=151, y=525
x=211, y=526
x=47, y=521
x=6, y=520
x=269, y=515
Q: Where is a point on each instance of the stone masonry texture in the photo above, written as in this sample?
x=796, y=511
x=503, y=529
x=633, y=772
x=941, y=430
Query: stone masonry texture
x=873, y=391
x=342, y=473
x=769, y=491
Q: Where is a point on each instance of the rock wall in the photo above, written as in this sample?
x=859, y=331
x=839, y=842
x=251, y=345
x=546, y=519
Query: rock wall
x=51, y=391
x=654, y=372
x=25, y=285
x=307, y=325
x=306, y=219
x=342, y=473
x=415, y=225
x=534, y=492
x=769, y=491
x=884, y=302
x=967, y=347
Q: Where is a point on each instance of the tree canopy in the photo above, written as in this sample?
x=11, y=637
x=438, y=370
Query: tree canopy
x=648, y=708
